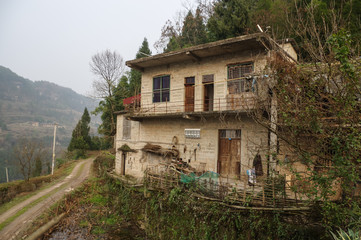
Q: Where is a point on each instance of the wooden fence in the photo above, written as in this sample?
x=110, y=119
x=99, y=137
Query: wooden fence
x=265, y=192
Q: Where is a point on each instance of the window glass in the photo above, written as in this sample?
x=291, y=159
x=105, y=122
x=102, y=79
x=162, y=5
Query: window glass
x=165, y=82
x=165, y=95
x=156, y=83
x=161, y=87
x=190, y=80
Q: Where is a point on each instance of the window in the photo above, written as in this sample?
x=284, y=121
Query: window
x=126, y=129
x=161, y=89
x=190, y=80
x=240, y=79
x=230, y=133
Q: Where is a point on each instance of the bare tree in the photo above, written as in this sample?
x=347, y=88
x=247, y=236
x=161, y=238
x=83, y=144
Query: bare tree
x=108, y=67
x=26, y=152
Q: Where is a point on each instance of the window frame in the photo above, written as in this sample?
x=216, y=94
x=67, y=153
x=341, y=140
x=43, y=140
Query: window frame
x=161, y=89
x=127, y=129
x=240, y=84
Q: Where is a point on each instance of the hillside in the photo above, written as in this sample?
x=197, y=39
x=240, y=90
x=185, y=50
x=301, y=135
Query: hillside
x=30, y=109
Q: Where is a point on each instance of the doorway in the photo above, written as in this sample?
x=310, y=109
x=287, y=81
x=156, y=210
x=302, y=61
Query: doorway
x=208, y=97
x=122, y=163
x=208, y=90
x=229, y=153
x=189, y=94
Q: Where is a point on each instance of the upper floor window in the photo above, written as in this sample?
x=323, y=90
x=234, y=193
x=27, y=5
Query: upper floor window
x=238, y=80
x=161, y=87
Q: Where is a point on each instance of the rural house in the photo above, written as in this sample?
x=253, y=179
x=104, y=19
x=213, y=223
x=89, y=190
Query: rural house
x=193, y=108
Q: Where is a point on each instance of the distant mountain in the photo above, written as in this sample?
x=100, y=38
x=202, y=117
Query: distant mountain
x=30, y=109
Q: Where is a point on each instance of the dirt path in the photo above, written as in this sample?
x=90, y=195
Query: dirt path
x=50, y=195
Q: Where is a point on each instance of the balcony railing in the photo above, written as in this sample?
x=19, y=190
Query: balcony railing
x=233, y=102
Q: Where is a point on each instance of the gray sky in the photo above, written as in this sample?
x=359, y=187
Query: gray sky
x=54, y=40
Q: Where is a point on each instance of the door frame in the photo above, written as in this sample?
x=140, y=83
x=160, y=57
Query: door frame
x=219, y=149
x=189, y=82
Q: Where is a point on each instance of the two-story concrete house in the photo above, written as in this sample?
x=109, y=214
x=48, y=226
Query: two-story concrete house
x=195, y=102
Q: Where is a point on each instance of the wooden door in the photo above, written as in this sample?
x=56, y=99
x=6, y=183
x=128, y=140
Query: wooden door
x=229, y=153
x=189, y=98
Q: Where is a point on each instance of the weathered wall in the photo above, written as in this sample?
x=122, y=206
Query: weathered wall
x=179, y=71
x=161, y=132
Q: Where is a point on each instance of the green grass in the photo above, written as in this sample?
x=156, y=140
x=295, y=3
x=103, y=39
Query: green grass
x=6, y=206
x=98, y=230
x=30, y=205
x=84, y=223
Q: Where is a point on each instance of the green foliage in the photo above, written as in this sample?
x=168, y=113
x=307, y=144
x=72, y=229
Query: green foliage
x=230, y=19
x=38, y=167
x=135, y=75
x=179, y=215
x=349, y=235
x=81, y=141
x=193, y=32
x=100, y=143
x=104, y=109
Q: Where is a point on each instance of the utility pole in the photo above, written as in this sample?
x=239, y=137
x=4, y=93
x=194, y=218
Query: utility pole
x=7, y=174
x=54, y=142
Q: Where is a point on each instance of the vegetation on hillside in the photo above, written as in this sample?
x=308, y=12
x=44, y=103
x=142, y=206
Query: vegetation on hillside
x=212, y=20
x=29, y=110
x=109, y=208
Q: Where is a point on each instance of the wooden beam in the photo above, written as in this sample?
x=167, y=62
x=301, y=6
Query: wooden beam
x=194, y=56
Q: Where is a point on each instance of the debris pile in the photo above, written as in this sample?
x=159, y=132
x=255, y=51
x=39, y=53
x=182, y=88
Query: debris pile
x=156, y=149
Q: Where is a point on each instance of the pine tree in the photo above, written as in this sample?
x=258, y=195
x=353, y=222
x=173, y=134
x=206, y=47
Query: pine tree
x=80, y=137
x=85, y=121
x=230, y=19
x=38, y=166
x=121, y=91
x=135, y=75
x=193, y=30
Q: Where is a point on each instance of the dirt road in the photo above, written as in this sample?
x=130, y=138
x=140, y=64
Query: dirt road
x=44, y=200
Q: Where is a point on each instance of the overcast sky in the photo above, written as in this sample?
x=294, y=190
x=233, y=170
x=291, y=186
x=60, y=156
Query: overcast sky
x=54, y=40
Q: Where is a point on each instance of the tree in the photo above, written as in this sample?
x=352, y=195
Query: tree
x=27, y=151
x=80, y=139
x=85, y=121
x=187, y=29
x=107, y=67
x=135, y=75
x=316, y=114
x=122, y=91
x=38, y=166
x=193, y=30
x=230, y=19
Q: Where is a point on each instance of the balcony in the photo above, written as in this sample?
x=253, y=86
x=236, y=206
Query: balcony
x=232, y=103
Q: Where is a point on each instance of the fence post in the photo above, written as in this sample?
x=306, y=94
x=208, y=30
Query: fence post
x=273, y=191
x=263, y=195
x=245, y=189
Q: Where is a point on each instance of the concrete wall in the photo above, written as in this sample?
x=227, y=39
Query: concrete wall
x=161, y=132
x=179, y=71
x=201, y=153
